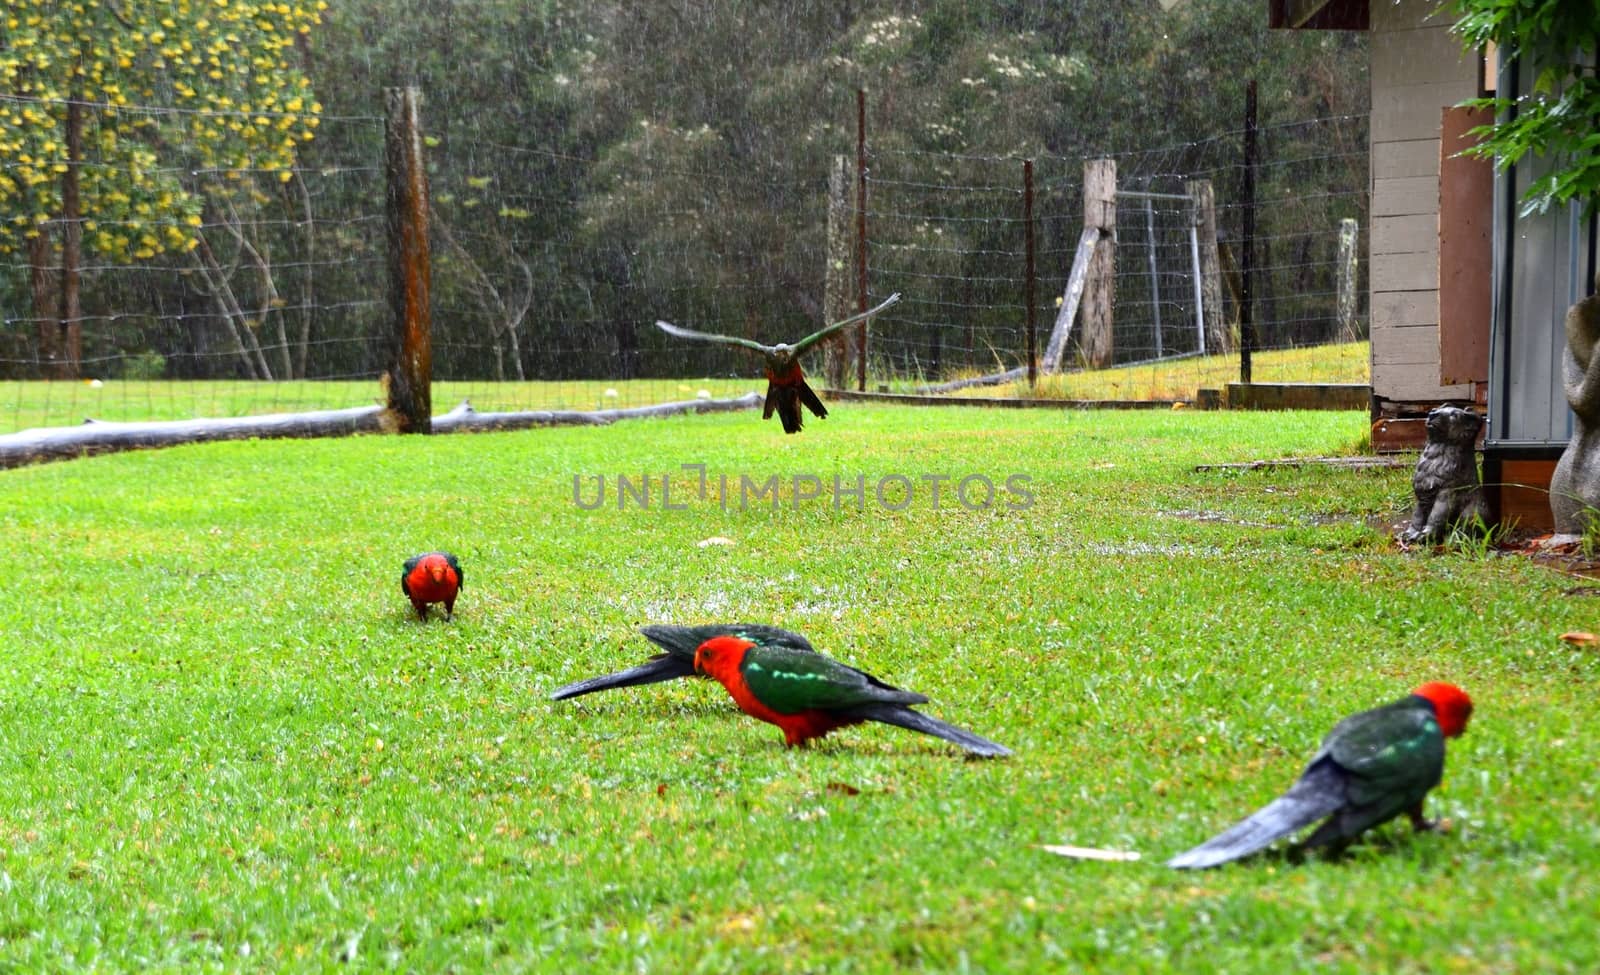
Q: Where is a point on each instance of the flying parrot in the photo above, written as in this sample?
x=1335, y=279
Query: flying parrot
x=786, y=383
x=432, y=577
x=1372, y=767
x=808, y=695
x=676, y=660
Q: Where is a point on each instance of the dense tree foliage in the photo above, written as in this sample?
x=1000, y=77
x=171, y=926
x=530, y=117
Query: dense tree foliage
x=1558, y=42
x=117, y=120
x=596, y=165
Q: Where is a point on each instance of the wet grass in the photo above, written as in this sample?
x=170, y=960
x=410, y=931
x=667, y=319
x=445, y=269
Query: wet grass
x=1178, y=379
x=24, y=405
x=228, y=747
x=28, y=404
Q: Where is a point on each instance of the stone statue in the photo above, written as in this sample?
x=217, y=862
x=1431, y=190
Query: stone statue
x=1449, y=492
x=1575, y=486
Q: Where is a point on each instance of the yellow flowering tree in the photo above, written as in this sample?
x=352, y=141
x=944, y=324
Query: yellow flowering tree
x=119, y=119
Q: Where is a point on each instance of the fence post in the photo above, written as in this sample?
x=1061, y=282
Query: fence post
x=1247, y=244
x=1204, y=196
x=1349, y=233
x=1155, y=277
x=861, y=236
x=410, y=275
x=1029, y=279
x=836, y=276
x=69, y=345
x=1099, y=289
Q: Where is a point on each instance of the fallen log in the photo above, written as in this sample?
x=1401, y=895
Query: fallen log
x=993, y=379
x=96, y=437
x=465, y=418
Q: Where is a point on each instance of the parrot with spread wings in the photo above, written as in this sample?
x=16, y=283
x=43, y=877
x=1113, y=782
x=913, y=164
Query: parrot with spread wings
x=787, y=389
x=676, y=659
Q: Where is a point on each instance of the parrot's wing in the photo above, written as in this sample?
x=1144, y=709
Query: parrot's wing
x=681, y=641
x=693, y=336
x=1394, y=754
x=405, y=572
x=823, y=333
x=789, y=681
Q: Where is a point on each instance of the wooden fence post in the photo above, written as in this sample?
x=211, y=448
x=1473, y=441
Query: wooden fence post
x=410, y=274
x=836, y=351
x=1099, y=289
x=1218, y=336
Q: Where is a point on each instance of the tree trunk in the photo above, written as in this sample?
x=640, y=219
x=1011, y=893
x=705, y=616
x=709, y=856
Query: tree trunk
x=270, y=301
x=516, y=352
x=44, y=301
x=308, y=281
x=229, y=311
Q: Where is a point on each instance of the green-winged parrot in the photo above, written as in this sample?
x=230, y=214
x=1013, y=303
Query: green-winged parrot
x=786, y=383
x=1371, y=767
x=808, y=695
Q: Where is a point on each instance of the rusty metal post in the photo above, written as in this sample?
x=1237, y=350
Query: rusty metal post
x=1247, y=242
x=837, y=275
x=69, y=341
x=1029, y=281
x=861, y=236
x=410, y=274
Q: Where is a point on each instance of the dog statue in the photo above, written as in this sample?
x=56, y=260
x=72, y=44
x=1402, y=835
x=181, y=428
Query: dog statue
x=1449, y=492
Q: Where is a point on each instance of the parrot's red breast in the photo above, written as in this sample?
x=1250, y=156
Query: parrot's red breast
x=433, y=577
x=722, y=658
x=789, y=376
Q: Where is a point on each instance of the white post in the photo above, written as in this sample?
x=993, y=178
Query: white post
x=1199, y=292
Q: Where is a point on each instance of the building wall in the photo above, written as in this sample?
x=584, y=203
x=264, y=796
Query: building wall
x=1418, y=69
x=1545, y=263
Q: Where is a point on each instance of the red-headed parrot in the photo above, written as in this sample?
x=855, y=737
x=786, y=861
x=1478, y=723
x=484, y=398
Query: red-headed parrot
x=808, y=695
x=432, y=577
x=786, y=383
x=678, y=644
x=1372, y=767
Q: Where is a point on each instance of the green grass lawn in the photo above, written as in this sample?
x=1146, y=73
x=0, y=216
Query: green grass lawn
x=28, y=404
x=228, y=746
x=24, y=405
x=1178, y=379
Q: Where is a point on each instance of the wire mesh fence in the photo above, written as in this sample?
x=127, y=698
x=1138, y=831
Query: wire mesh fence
x=948, y=231
x=550, y=266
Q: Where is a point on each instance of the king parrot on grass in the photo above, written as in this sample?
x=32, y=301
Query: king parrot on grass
x=1372, y=767
x=432, y=577
x=786, y=383
x=678, y=644
x=808, y=695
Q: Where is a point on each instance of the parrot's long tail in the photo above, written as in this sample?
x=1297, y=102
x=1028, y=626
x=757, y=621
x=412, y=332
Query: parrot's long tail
x=812, y=401
x=1319, y=793
x=903, y=717
x=655, y=670
x=786, y=400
